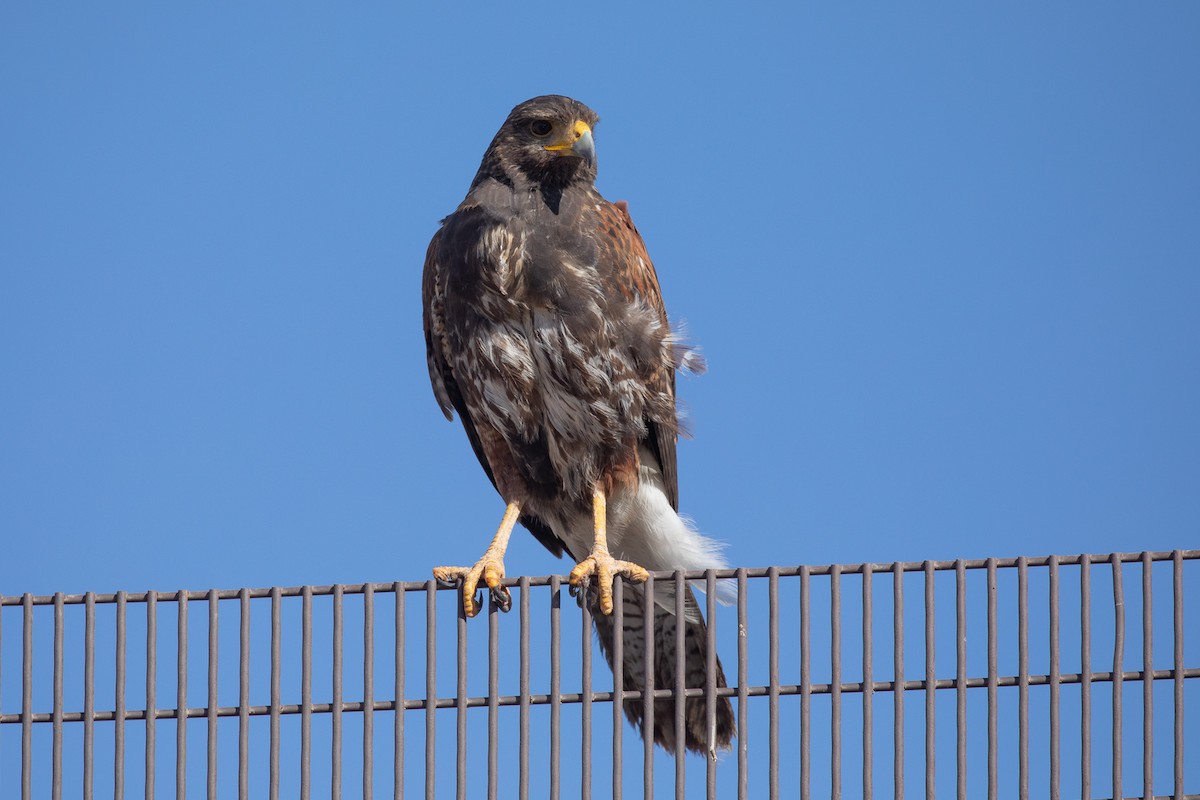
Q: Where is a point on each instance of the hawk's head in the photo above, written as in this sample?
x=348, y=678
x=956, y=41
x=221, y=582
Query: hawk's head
x=546, y=141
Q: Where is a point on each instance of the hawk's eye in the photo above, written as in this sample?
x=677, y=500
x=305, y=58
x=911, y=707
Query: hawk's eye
x=540, y=127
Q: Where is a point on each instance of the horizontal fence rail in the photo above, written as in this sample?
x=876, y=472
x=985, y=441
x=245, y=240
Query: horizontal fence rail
x=1046, y=677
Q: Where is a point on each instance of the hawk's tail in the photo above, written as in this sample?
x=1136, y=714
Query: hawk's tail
x=697, y=736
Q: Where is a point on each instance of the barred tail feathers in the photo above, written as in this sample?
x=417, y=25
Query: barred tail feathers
x=698, y=736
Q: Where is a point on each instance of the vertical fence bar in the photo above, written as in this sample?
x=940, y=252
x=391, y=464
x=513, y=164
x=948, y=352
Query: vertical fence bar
x=556, y=701
x=1085, y=676
x=306, y=692
x=1147, y=678
x=710, y=684
x=1, y=658
x=960, y=677
x=276, y=647
x=773, y=686
x=868, y=699
x=26, y=696
x=898, y=681
x=993, y=675
x=1118, y=674
x=805, y=688
x=523, y=755
x=618, y=671
x=1177, y=620
x=493, y=753
x=555, y=683
x=649, y=610
x=181, y=693
x=213, y=704
x=1055, y=717
x=1023, y=675
x=460, y=708
x=398, y=720
x=585, y=708
x=244, y=694
x=743, y=687
x=89, y=693
x=430, y=688
x=119, y=705
x=835, y=681
x=151, y=688
x=57, y=712
x=335, y=711
x=368, y=743
x=930, y=687
x=680, y=688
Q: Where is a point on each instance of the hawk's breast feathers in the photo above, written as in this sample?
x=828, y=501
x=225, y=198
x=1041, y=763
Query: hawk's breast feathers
x=549, y=329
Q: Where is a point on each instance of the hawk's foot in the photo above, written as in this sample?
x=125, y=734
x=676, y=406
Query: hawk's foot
x=603, y=566
x=491, y=569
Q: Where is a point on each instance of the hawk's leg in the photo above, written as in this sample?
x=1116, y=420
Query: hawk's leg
x=601, y=563
x=490, y=567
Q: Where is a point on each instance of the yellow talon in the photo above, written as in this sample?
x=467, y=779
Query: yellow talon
x=490, y=568
x=601, y=563
x=605, y=568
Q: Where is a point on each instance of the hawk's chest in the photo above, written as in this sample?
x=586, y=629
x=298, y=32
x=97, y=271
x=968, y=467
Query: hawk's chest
x=541, y=260
x=538, y=295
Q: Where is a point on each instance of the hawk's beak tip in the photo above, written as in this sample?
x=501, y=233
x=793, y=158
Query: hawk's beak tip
x=585, y=147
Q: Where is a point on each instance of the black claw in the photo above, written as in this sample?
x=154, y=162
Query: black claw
x=455, y=583
x=582, y=590
x=502, y=598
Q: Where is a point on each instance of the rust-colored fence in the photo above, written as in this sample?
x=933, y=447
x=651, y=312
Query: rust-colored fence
x=1043, y=677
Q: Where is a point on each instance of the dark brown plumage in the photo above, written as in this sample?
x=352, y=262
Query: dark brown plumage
x=546, y=332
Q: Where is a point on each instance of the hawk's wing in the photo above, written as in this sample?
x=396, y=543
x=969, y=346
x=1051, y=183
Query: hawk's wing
x=445, y=388
x=634, y=277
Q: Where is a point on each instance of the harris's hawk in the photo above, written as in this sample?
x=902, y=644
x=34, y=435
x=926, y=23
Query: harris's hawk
x=545, y=331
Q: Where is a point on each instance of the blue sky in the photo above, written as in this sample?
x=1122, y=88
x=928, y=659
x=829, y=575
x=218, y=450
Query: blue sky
x=944, y=263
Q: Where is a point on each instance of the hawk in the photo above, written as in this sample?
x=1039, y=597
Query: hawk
x=545, y=331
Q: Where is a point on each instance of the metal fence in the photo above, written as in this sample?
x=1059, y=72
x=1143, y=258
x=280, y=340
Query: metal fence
x=835, y=692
